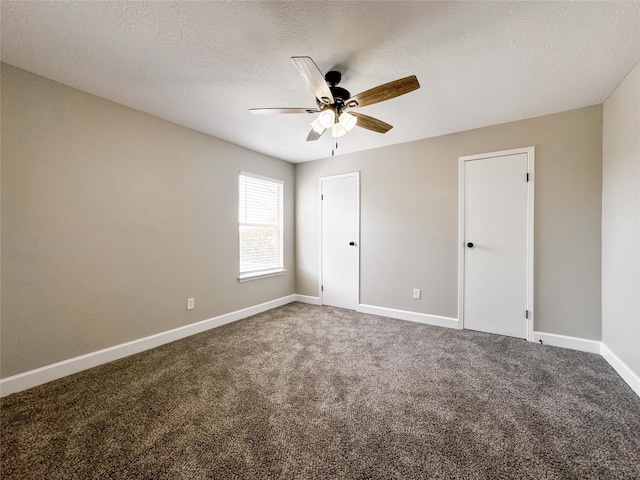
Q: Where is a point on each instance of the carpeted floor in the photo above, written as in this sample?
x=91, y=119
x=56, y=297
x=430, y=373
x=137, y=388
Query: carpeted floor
x=313, y=392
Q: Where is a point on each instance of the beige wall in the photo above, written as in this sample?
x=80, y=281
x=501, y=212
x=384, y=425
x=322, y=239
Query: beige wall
x=111, y=218
x=409, y=215
x=621, y=222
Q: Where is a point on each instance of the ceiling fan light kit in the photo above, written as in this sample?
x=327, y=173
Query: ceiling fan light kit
x=332, y=101
x=339, y=126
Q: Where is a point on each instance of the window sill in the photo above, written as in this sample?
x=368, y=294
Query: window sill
x=247, y=277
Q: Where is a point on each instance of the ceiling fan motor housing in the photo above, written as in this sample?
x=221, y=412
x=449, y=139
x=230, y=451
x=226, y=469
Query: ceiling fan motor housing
x=339, y=94
x=333, y=78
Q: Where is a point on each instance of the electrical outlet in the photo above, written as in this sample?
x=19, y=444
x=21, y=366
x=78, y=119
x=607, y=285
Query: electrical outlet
x=191, y=303
x=416, y=293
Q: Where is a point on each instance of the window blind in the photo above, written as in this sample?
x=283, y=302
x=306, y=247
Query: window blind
x=260, y=224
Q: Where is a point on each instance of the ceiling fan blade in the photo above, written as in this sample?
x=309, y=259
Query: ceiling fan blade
x=370, y=123
x=384, y=92
x=269, y=111
x=313, y=135
x=314, y=78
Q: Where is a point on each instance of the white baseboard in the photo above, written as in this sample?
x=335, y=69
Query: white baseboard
x=622, y=368
x=592, y=346
x=573, y=343
x=410, y=316
x=308, y=299
x=58, y=370
x=36, y=377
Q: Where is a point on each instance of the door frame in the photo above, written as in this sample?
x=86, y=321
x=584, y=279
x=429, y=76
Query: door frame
x=530, y=151
x=320, y=255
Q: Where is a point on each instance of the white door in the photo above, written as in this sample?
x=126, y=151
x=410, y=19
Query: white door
x=496, y=223
x=340, y=240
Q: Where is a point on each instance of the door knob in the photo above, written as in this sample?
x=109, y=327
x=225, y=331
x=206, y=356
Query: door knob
x=353, y=244
x=470, y=245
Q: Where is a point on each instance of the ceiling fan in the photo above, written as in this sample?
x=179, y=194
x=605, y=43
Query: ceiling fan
x=333, y=101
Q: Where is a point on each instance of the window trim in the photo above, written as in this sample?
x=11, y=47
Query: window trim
x=270, y=272
x=247, y=277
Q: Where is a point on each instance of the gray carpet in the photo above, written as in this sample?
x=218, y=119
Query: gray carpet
x=318, y=392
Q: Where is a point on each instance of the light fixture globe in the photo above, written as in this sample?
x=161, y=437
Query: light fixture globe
x=327, y=117
x=348, y=121
x=317, y=126
x=337, y=130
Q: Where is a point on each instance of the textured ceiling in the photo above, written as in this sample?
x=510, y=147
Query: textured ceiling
x=204, y=64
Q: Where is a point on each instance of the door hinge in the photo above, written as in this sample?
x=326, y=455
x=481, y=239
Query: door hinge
x=526, y=314
x=321, y=197
x=527, y=176
x=322, y=288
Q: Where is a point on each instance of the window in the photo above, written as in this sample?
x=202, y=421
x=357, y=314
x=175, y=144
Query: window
x=260, y=225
